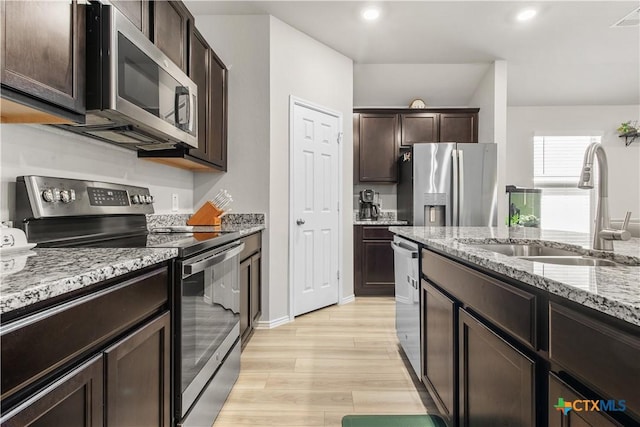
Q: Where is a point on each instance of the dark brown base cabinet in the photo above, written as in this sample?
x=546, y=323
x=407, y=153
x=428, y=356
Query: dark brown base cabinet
x=74, y=400
x=511, y=351
x=440, y=338
x=250, y=286
x=496, y=380
x=373, y=261
x=559, y=389
x=138, y=377
x=102, y=359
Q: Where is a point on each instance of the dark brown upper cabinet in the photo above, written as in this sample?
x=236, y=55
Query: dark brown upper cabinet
x=210, y=75
x=217, y=114
x=376, y=147
x=379, y=134
x=459, y=127
x=199, y=73
x=418, y=127
x=171, y=20
x=137, y=11
x=42, y=62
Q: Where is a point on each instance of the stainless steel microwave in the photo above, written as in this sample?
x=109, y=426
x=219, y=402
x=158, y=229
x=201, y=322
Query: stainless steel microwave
x=136, y=96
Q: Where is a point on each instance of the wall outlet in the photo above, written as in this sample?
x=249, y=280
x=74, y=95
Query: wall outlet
x=175, y=202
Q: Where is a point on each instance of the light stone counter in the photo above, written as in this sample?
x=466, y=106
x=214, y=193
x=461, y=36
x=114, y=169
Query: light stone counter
x=611, y=290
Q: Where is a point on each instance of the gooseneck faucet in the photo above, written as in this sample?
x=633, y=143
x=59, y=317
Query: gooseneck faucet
x=603, y=235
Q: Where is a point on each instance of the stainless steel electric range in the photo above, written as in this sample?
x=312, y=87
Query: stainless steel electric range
x=60, y=212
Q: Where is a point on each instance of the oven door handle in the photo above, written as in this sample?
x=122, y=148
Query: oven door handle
x=210, y=261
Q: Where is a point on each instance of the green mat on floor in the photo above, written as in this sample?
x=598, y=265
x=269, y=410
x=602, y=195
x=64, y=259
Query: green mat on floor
x=392, y=421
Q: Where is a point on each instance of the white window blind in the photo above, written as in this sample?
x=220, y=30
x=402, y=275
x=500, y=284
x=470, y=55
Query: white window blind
x=557, y=163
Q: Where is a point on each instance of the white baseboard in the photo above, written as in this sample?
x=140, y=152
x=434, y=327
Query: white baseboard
x=270, y=324
x=347, y=300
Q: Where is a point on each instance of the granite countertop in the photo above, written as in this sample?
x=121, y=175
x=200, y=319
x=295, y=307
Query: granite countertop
x=380, y=222
x=611, y=290
x=49, y=272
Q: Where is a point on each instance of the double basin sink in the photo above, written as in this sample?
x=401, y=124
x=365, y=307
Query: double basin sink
x=546, y=254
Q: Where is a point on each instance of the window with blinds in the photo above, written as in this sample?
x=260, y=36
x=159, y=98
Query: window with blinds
x=557, y=163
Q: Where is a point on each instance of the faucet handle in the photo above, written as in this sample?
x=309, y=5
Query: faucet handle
x=621, y=234
x=627, y=217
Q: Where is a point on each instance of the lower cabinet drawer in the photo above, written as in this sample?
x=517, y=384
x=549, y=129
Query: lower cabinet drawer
x=376, y=233
x=505, y=305
x=600, y=356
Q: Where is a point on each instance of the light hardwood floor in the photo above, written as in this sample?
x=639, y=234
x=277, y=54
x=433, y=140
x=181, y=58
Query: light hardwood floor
x=336, y=361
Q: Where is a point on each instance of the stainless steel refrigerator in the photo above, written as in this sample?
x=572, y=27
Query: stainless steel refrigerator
x=448, y=184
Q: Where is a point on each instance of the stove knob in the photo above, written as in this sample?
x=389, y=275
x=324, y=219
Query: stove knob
x=135, y=199
x=65, y=196
x=56, y=195
x=47, y=195
x=72, y=194
x=145, y=199
x=149, y=199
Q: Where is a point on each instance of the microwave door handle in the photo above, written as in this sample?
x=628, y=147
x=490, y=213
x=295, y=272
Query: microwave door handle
x=180, y=91
x=197, y=267
x=191, y=112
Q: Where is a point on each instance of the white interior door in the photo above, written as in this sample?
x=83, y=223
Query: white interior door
x=315, y=213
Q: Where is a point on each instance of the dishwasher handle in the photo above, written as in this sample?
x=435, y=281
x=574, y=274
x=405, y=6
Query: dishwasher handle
x=401, y=250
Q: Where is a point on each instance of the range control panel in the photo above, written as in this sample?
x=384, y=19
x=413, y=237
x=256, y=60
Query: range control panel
x=107, y=197
x=43, y=197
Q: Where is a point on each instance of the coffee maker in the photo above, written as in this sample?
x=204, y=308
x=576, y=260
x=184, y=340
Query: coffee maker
x=369, y=206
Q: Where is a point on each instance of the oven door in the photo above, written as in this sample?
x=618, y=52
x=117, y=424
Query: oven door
x=208, y=305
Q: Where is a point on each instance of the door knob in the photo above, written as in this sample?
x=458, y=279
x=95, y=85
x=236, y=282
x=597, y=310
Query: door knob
x=300, y=221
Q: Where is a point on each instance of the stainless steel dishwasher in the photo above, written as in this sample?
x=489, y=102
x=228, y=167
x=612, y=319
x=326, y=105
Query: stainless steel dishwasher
x=407, y=299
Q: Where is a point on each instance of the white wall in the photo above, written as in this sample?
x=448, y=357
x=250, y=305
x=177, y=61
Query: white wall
x=48, y=151
x=624, y=171
x=396, y=85
x=305, y=68
x=500, y=120
x=484, y=98
x=242, y=43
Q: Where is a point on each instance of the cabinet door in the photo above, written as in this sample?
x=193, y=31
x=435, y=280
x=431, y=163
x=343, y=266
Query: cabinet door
x=170, y=29
x=137, y=11
x=377, y=269
x=558, y=389
x=74, y=401
x=138, y=379
x=255, y=290
x=217, y=114
x=440, y=348
x=199, y=73
x=418, y=127
x=496, y=386
x=245, y=286
x=43, y=44
x=459, y=127
x=378, y=149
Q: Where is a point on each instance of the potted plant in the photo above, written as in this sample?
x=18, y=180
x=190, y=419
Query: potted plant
x=627, y=128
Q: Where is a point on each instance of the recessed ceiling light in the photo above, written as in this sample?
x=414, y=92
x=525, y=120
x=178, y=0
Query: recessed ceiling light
x=370, y=14
x=526, y=15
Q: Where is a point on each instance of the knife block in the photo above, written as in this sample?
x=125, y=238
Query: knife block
x=208, y=214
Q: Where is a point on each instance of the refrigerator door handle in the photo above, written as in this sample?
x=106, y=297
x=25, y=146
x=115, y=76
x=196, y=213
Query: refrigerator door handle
x=460, y=184
x=454, y=188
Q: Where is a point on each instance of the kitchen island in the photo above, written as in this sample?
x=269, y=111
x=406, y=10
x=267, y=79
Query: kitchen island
x=498, y=328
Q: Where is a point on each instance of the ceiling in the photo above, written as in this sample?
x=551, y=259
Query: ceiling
x=567, y=55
